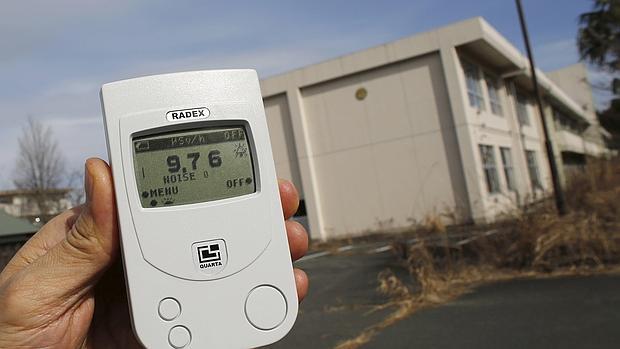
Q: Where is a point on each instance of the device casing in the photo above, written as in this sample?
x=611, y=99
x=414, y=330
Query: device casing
x=157, y=243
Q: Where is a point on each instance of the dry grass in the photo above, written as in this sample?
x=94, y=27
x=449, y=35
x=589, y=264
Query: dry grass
x=587, y=236
x=532, y=242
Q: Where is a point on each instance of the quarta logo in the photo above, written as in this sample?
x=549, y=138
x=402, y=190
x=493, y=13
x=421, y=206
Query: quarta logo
x=193, y=113
x=210, y=256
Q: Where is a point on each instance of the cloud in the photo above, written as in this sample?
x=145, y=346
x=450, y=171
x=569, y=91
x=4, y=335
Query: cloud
x=70, y=105
x=73, y=122
x=267, y=60
x=71, y=88
x=28, y=24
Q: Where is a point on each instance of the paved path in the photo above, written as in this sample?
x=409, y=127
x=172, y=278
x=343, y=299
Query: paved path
x=567, y=313
x=342, y=292
x=562, y=313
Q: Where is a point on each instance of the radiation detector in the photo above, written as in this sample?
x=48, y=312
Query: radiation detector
x=204, y=246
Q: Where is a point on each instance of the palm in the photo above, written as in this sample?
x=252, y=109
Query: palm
x=111, y=325
x=65, y=287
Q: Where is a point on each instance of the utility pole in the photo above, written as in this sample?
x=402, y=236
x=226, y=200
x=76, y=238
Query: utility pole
x=560, y=202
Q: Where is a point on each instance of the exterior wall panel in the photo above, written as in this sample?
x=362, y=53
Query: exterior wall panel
x=381, y=161
x=282, y=140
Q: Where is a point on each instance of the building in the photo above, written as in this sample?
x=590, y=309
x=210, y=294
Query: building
x=443, y=121
x=13, y=233
x=34, y=206
x=576, y=139
x=13, y=229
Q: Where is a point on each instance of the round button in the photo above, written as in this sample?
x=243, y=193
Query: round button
x=169, y=309
x=265, y=307
x=179, y=337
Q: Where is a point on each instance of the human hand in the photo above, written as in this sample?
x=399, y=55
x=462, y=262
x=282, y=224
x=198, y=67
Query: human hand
x=65, y=287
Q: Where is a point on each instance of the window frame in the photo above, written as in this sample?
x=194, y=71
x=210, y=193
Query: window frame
x=495, y=99
x=563, y=122
x=489, y=169
x=533, y=169
x=473, y=85
x=522, y=103
x=509, y=168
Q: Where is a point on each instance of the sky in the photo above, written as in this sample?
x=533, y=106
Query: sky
x=55, y=55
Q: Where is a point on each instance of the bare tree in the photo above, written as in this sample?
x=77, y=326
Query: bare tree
x=40, y=166
x=75, y=182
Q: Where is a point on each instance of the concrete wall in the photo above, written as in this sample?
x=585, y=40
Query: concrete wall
x=382, y=161
x=283, y=140
x=487, y=128
x=575, y=82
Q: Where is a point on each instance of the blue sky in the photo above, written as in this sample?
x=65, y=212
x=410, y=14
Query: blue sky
x=54, y=55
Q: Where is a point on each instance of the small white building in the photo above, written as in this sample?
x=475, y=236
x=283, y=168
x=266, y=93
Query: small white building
x=443, y=121
x=35, y=206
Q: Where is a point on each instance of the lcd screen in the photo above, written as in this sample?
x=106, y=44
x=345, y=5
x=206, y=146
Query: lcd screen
x=187, y=167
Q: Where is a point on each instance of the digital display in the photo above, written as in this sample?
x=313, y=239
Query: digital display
x=194, y=166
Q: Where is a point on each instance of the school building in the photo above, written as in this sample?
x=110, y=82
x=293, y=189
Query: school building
x=443, y=121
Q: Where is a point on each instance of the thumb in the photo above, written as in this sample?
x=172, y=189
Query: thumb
x=75, y=264
x=92, y=241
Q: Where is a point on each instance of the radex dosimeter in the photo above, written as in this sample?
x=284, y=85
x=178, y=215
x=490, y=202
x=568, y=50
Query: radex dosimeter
x=204, y=245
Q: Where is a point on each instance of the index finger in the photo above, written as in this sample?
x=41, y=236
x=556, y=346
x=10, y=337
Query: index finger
x=289, y=198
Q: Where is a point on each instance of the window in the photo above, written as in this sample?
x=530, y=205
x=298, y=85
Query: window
x=532, y=168
x=558, y=119
x=494, y=100
x=509, y=172
x=522, y=114
x=474, y=90
x=489, y=168
x=564, y=122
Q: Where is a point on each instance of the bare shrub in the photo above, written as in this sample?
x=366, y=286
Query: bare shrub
x=530, y=240
x=433, y=224
x=392, y=286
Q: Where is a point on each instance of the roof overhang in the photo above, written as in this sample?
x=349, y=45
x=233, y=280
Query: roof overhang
x=477, y=38
x=30, y=192
x=474, y=36
x=492, y=50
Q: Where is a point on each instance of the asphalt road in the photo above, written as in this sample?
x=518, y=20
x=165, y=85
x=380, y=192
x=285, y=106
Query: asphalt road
x=563, y=313
x=342, y=294
x=579, y=312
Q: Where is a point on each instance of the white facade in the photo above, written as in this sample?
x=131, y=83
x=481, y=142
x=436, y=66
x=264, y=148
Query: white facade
x=33, y=205
x=384, y=137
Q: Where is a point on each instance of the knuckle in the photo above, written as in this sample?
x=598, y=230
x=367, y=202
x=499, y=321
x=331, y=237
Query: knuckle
x=296, y=227
x=83, y=240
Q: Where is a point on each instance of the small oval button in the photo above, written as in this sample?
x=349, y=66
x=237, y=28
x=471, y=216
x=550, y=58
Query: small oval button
x=179, y=337
x=169, y=309
x=265, y=307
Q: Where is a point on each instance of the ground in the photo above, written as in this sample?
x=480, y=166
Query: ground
x=576, y=312
x=563, y=312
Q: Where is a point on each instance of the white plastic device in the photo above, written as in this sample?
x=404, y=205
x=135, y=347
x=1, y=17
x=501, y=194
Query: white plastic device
x=204, y=246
